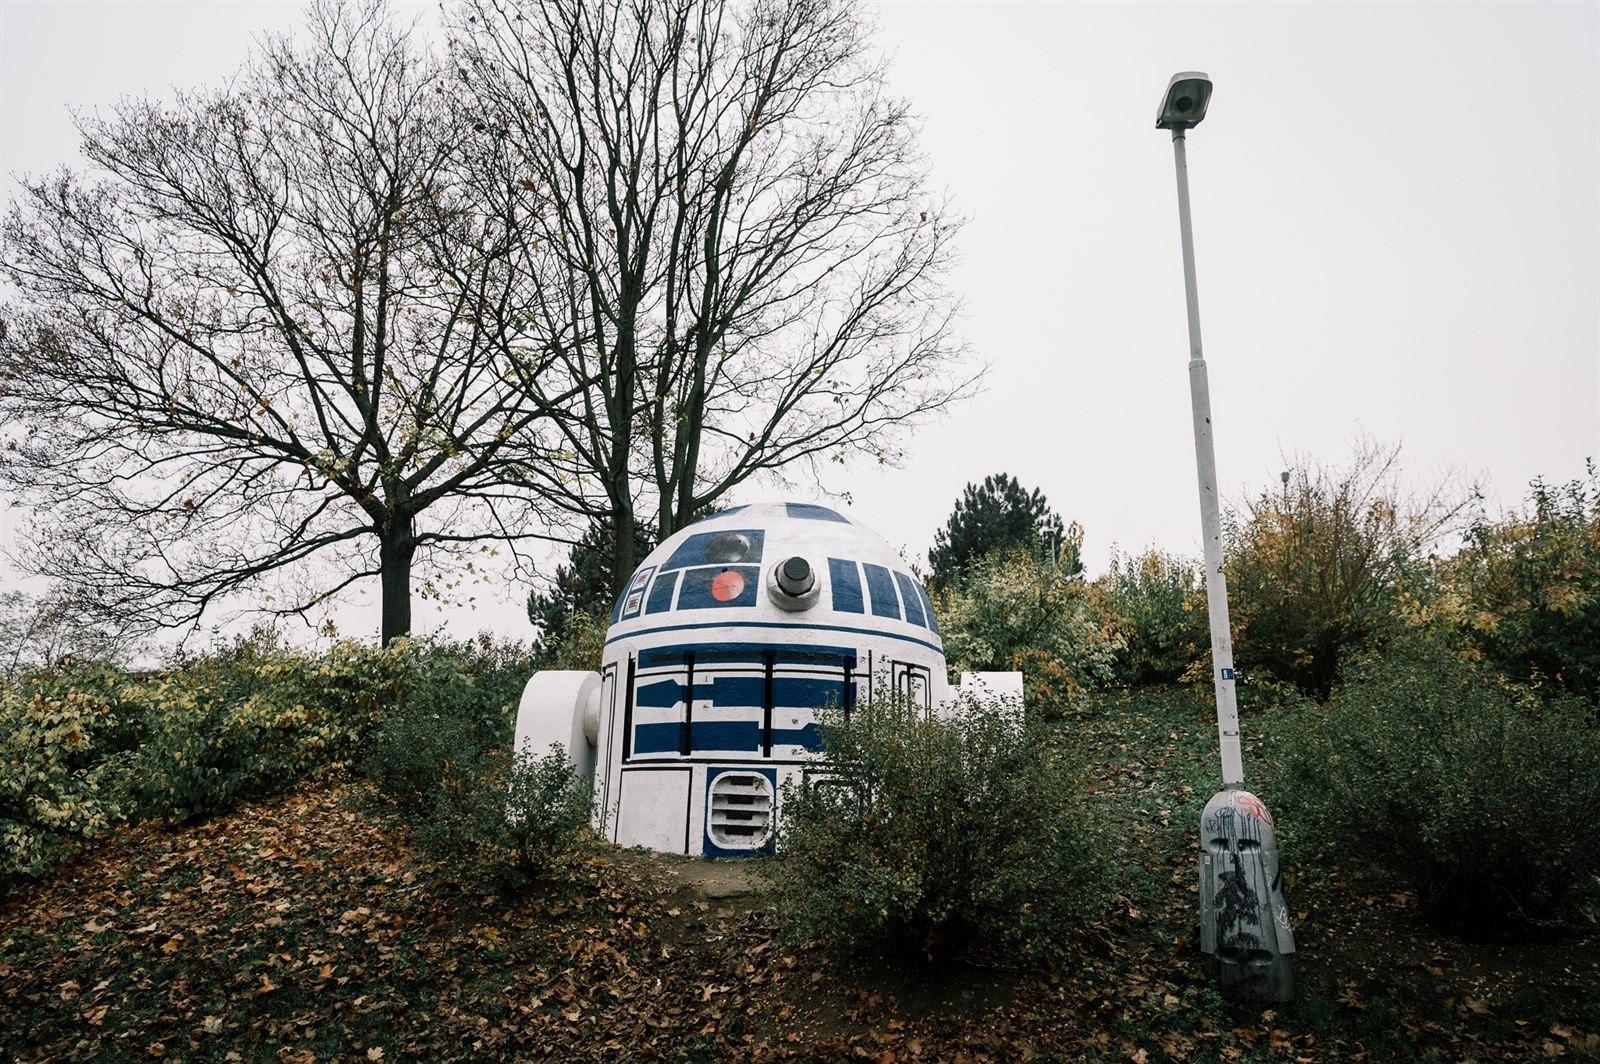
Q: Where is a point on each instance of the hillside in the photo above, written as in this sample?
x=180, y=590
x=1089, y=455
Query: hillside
x=304, y=927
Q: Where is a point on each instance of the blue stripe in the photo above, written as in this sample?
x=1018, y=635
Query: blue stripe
x=730, y=653
x=927, y=605
x=766, y=624
x=663, y=694
x=731, y=691
x=881, y=584
x=720, y=735
x=807, y=511
x=908, y=595
x=846, y=581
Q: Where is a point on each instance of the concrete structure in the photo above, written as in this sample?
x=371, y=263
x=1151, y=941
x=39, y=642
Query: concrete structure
x=722, y=648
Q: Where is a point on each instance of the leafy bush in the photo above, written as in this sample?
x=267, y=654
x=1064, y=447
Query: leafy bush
x=1473, y=791
x=1016, y=611
x=1316, y=571
x=930, y=838
x=507, y=820
x=1526, y=588
x=65, y=741
x=82, y=748
x=1154, y=606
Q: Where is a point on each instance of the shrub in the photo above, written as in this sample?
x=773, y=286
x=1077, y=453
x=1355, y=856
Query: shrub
x=1527, y=588
x=1154, y=606
x=1471, y=790
x=65, y=742
x=1016, y=611
x=84, y=747
x=506, y=820
x=929, y=838
x=1316, y=570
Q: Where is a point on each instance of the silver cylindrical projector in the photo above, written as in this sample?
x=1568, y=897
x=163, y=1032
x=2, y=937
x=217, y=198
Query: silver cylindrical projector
x=792, y=585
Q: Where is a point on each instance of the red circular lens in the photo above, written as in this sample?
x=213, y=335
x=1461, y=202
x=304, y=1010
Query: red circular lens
x=727, y=586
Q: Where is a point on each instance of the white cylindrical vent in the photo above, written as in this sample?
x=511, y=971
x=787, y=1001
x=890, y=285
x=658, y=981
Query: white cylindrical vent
x=740, y=814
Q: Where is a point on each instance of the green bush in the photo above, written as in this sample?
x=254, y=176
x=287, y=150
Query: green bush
x=1472, y=791
x=506, y=821
x=931, y=838
x=1526, y=588
x=66, y=741
x=1154, y=606
x=85, y=747
x=1013, y=610
x=1317, y=570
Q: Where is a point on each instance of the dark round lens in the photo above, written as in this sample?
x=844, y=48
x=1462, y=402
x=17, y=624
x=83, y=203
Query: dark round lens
x=1184, y=103
x=797, y=570
x=728, y=547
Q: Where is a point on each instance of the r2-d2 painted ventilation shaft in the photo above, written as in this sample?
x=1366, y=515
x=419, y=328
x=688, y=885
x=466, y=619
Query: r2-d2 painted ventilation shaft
x=722, y=648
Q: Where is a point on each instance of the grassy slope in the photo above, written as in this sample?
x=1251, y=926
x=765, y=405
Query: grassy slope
x=301, y=928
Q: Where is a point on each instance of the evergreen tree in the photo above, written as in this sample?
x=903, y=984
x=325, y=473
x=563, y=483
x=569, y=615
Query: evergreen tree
x=582, y=585
x=997, y=514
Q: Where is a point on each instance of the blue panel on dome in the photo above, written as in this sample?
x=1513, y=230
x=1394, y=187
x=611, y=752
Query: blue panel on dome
x=933, y=622
x=719, y=513
x=718, y=587
x=908, y=595
x=717, y=548
x=806, y=511
x=881, y=584
x=846, y=580
x=661, y=593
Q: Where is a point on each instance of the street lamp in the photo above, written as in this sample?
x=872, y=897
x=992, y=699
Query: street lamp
x=1244, y=920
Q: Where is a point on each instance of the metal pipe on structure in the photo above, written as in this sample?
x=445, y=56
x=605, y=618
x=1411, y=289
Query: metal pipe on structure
x=1244, y=918
x=1205, y=456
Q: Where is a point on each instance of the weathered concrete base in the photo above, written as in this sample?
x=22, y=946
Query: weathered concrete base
x=1244, y=917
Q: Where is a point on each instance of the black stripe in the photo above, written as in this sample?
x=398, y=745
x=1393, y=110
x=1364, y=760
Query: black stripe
x=687, y=726
x=766, y=707
x=627, y=716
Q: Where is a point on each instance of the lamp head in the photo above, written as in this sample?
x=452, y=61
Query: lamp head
x=1184, y=104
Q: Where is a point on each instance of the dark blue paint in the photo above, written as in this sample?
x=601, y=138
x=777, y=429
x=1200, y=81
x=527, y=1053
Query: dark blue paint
x=881, y=584
x=927, y=606
x=908, y=595
x=740, y=692
x=846, y=581
x=806, y=511
x=692, y=551
x=696, y=593
x=720, y=736
x=662, y=694
x=719, y=513
x=661, y=593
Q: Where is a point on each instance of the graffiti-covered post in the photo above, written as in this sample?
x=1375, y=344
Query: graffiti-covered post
x=1244, y=920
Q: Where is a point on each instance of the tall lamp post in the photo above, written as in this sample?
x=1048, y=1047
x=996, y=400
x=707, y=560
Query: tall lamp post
x=1244, y=919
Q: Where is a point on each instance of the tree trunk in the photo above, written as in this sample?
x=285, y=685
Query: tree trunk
x=625, y=544
x=395, y=553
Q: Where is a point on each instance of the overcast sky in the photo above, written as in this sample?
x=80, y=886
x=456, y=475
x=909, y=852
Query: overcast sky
x=1397, y=218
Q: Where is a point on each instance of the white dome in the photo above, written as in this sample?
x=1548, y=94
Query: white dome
x=719, y=570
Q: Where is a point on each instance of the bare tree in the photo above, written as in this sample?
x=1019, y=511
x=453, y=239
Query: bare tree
x=271, y=337
x=744, y=261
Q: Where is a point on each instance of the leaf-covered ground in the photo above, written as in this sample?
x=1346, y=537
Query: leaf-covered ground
x=304, y=928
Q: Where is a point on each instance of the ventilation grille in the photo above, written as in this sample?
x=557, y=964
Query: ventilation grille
x=741, y=811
